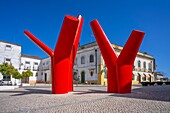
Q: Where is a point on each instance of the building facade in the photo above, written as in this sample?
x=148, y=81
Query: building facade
x=31, y=63
x=10, y=53
x=44, y=71
x=89, y=66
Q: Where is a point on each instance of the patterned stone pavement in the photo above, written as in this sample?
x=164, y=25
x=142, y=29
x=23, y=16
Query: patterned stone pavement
x=86, y=99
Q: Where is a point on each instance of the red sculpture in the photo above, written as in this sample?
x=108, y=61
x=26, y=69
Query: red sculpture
x=119, y=68
x=64, y=54
x=62, y=59
x=73, y=53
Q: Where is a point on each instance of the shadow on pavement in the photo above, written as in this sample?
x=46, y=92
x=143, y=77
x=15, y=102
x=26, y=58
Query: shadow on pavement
x=27, y=91
x=90, y=91
x=158, y=93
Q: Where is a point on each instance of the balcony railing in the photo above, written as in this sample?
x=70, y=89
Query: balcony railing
x=27, y=67
x=138, y=69
x=144, y=70
x=35, y=69
x=149, y=70
x=45, y=68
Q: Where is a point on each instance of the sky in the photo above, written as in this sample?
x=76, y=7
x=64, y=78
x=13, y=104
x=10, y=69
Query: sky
x=118, y=18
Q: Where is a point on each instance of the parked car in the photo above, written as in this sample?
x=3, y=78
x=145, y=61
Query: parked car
x=7, y=83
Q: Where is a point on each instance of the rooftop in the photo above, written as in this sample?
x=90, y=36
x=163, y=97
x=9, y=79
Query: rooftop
x=10, y=43
x=28, y=56
x=115, y=46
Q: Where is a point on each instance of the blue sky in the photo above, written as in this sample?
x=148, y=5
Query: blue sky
x=118, y=18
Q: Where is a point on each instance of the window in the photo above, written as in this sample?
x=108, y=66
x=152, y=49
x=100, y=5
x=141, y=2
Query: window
x=36, y=74
x=150, y=66
x=91, y=58
x=8, y=59
x=47, y=62
x=43, y=63
x=144, y=65
x=26, y=62
x=91, y=73
x=35, y=63
x=139, y=63
x=8, y=47
x=82, y=60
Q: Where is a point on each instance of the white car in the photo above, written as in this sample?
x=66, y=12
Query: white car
x=9, y=83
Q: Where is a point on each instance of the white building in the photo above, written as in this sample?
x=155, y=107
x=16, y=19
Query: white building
x=11, y=53
x=44, y=71
x=89, y=66
x=30, y=63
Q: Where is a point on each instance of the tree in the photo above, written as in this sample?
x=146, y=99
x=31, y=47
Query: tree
x=16, y=74
x=26, y=74
x=7, y=70
x=4, y=69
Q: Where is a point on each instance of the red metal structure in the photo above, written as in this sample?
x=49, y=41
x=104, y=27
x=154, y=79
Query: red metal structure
x=73, y=53
x=119, y=68
x=64, y=53
x=63, y=56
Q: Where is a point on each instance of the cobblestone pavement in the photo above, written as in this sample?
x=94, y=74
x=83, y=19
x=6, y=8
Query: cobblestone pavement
x=86, y=99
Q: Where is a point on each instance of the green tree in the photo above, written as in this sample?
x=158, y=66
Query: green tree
x=7, y=70
x=26, y=74
x=16, y=74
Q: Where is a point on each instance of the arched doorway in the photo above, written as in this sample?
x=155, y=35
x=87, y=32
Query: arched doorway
x=82, y=77
x=144, y=77
x=150, y=78
x=133, y=76
x=139, y=78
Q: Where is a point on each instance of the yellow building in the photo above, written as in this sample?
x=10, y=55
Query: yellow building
x=89, y=66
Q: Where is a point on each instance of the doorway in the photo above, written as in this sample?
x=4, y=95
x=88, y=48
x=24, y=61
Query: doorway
x=82, y=77
x=45, y=77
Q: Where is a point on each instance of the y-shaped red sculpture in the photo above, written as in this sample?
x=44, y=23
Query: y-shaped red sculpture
x=119, y=68
x=63, y=56
x=73, y=52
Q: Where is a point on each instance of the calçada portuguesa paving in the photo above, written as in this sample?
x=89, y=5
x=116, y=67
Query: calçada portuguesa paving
x=86, y=99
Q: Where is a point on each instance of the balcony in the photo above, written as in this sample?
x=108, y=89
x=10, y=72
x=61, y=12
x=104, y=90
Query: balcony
x=44, y=68
x=35, y=69
x=144, y=70
x=27, y=67
x=138, y=69
x=150, y=70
